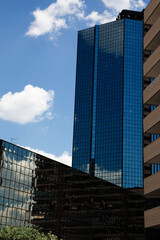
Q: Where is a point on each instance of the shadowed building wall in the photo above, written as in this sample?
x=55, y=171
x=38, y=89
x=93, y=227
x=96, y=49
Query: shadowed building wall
x=79, y=206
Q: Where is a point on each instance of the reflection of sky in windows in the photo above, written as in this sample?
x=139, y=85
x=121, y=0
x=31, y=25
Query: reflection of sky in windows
x=108, y=156
x=108, y=102
x=110, y=176
x=83, y=100
x=16, y=190
x=133, y=105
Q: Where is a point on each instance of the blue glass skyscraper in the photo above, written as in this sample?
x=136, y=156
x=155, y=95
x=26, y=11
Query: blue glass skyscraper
x=108, y=118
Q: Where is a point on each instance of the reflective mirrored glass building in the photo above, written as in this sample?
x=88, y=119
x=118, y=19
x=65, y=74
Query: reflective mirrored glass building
x=17, y=174
x=79, y=206
x=108, y=118
x=74, y=205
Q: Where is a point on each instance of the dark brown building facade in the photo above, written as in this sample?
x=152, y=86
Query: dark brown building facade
x=79, y=206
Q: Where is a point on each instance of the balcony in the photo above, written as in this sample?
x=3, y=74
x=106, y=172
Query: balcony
x=152, y=218
x=152, y=38
x=151, y=66
x=152, y=186
x=152, y=12
x=151, y=123
x=152, y=152
x=151, y=94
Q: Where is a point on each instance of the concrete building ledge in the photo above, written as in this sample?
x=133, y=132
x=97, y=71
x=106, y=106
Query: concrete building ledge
x=151, y=66
x=151, y=94
x=152, y=38
x=152, y=186
x=151, y=122
x=152, y=152
x=152, y=12
x=152, y=218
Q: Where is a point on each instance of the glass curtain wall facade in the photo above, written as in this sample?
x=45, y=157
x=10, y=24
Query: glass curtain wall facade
x=76, y=205
x=83, y=114
x=35, y=190
x=17, y=174
x=108, y=119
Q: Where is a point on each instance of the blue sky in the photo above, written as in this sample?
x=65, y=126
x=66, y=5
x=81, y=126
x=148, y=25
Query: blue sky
x=38, y=66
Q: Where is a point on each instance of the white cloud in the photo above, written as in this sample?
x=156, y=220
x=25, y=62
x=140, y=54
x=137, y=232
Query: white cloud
x=49, y=115
x=65, y=158
x=55, y=17
x=62, y=14
x=118, y=6
x=113, y=8
x=33, y=104
x=95, y=17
